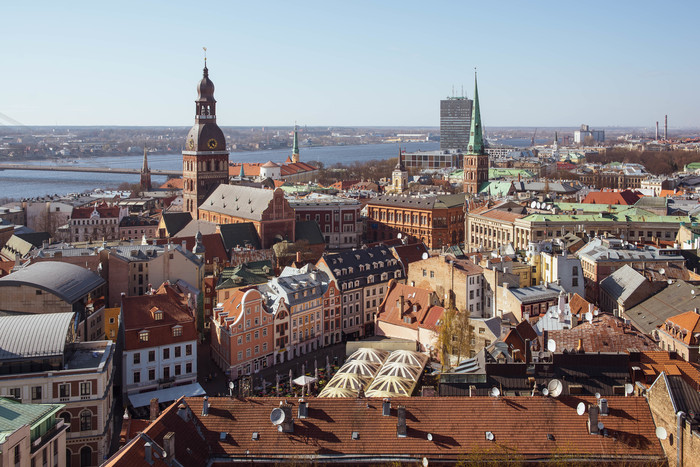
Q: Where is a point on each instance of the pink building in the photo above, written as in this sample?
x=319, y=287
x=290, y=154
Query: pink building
x=242, y=334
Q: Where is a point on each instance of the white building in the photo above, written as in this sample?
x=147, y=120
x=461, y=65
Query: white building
x=160, y=343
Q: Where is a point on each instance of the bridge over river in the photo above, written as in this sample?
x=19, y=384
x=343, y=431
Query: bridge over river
x=73, y=168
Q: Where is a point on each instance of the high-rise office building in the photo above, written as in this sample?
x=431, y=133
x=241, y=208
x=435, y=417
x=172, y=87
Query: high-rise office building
x=455, y=121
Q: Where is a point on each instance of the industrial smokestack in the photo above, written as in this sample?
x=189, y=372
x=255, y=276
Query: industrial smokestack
x=657, y=131
x=666, y=127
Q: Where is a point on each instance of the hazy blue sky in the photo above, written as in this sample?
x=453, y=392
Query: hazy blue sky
x=351, y=63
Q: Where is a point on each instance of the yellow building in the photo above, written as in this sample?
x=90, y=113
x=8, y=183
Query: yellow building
x=112, y=323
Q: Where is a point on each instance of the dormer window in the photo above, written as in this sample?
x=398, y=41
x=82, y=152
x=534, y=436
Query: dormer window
x=177, y=331
x=143, y=336
x=158, y=315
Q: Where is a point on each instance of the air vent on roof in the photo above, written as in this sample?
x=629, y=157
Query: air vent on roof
x=355, y=435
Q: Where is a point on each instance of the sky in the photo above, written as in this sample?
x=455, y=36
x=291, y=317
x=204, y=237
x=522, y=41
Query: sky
x=351, y=63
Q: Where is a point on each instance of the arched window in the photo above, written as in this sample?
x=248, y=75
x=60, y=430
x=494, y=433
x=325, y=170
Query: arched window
x=69, y=456
x=85, y=424
x=85, y=456
x=66, y=419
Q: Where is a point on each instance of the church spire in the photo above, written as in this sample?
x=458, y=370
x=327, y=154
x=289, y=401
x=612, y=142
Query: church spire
x=145, y=172
x=476, y=137
x=399, y=164
x=295, y=145
x=241, y=175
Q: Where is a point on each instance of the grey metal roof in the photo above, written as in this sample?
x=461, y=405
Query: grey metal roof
x=67, y=281
x=536, y=293
x=239, y=201
x=420, y=202
x=654, y=311
x=621, y=284
x=685, y=398
x=39, y=335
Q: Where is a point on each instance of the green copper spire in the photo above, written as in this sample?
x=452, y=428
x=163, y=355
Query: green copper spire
x=295, y=145
x=242, y=174
x=476, y=138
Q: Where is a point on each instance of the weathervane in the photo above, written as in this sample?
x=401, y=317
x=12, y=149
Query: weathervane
x=205, y=56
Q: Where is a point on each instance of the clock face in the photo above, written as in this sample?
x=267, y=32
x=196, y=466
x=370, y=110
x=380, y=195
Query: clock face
x=211, y=144
x=190, y=143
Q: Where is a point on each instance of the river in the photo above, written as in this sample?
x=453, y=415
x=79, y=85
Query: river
x=18, y=184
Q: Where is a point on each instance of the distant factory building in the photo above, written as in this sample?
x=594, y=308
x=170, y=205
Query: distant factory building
x=585, y=132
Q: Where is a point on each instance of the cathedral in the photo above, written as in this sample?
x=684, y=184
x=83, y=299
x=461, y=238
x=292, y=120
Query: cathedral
x=205, y=158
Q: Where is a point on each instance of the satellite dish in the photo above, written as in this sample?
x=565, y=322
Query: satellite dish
x=551, y=345
x=545, y=392
x=555, y=387
x=230, y=384
x=533, y=205
x=661, y=433
x=539, y=205
x=495, y=392
x=425, y=255
x=589, y=316
x=277, y=416
x=430, y=436
x=628, y=388
x=595, y=312
x=489, y=436
x=398, y=235
x=662, y=271
x=692, y=292
x=597, y=395
x=600, y=426
x=581, y=408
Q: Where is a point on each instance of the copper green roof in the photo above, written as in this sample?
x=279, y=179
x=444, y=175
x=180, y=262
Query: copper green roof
x=624, y=215
x=497, y=172
x=40, y=417
x=476, y=137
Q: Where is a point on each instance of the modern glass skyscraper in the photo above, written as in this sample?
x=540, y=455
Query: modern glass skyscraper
x=455, y=120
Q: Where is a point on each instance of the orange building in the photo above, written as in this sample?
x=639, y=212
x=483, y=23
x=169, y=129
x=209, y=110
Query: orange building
x=436, y=220
x=268, y=210
x=242, y=334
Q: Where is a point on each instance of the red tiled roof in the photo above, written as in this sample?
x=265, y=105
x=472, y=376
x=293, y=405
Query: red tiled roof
x=410, y=253
x=688, y=322
x=249, y=169
x=191, y=445
x=137, y=315
x=423, y=300
x=103, y=209
x=652, y=363
x=173, y=184
x=579, y=306
x=458, y=425
x=213, y=246
x=625, y=197
x=605, y=334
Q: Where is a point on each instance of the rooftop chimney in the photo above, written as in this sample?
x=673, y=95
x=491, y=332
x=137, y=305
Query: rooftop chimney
x=603, y=404
x=169, y=445
x=303, y=411
x=154, y=410
x=148, y=452
x=593, y=419
x=386, y=407
x=205, y=406
x=401, y=421
x=579, y=347
x=298, y=259
x=287, y=425
x=183, y=413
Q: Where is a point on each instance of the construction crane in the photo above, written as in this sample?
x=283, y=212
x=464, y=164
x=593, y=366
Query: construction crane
x=532, y=141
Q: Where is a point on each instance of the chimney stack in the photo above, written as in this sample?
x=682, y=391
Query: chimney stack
x=148, y=452
x=183, y=413
x=603, y=403
x=298, y=258
x=657, y=131
x=154, y=410
x=401, y=303
x=169, y=445
x=303, y=411
x=386, y=407
x=579, y=347
x=593, y=419
x=205, y=406
x=401, y=421
x=666, y=127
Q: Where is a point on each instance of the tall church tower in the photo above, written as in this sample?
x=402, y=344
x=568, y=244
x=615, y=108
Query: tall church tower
x=295, y=146
x=399, y=176
x=476, y=161
x=145, y=172
x=205, y=159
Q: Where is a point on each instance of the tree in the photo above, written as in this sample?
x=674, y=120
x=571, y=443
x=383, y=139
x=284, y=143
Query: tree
x=454, y=333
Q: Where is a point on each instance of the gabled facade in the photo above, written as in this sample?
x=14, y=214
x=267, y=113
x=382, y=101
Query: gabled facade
x=242, y=334
x=160, y=341
x=362, y=276
x=93, y=223
x=681, y=334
